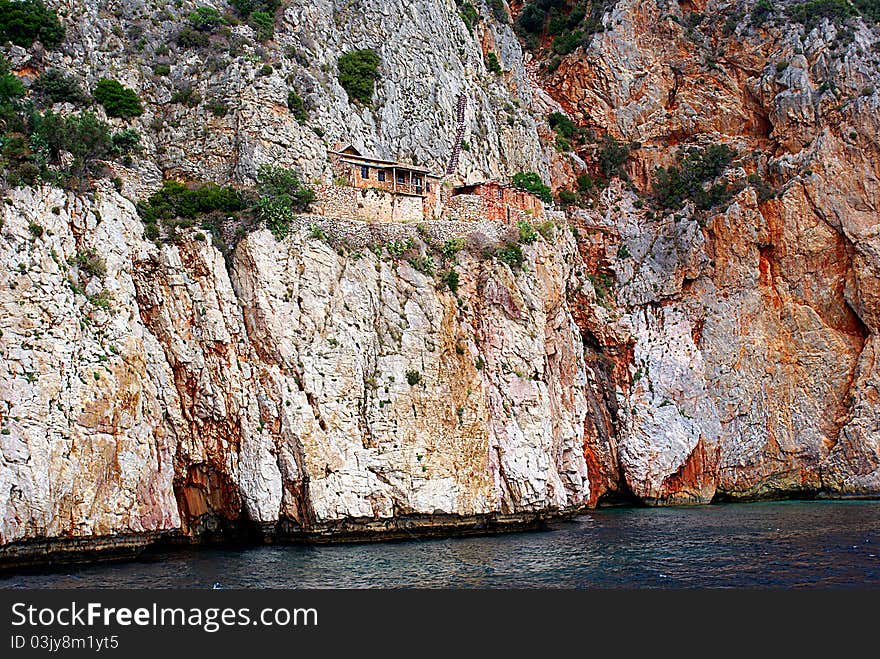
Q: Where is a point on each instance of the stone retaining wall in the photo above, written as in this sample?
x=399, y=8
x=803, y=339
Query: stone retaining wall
x=367, y=205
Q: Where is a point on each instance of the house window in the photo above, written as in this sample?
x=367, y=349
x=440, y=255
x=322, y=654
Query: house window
x=401, y=178
x=381, y=175
x=417, y=182
x=365, y=172
x=427, y=187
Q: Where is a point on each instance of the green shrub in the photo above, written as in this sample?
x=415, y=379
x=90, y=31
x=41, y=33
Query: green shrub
x=531, y=182
x=585, y=184
x=24, y=21
x=161, y=69
x=186, y=95
x=34, y=150
x=316, y=232
x=89, y=261
x=761, y=12
x=567, y=197
x=11, y=88
x=493, y=64
x=246, y=7
x=567, y=43
x=206, y=19
x=83, y=135
x=451, y=279
x=217, y=107
x=58, y=87
x=547, y=229
x=675, y=185
x=452, y=247
x=176, y=200
x=810, y=13
x=35, y=229
x=562, y=125
x=358, y=70
x=396, y=248
x=423, y=264
x=499, y=11
x=187, y=37
x=125, y=141
x=603, y=285
x=468, y=14
x=413, y=377
x=527, y=233
x=511, y=254
x=870, y=9
x=296, y=106
x=118, y=101
x=263, y=24
x=281, y=195
x=557, y=24
x=531, y=19
x=612, y=157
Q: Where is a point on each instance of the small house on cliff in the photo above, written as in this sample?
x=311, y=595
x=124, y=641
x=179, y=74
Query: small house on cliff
x=362, y=171
x=493, y=201
x=372, y=189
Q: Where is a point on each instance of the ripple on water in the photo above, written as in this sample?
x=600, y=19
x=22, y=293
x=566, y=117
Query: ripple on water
x=783, y=544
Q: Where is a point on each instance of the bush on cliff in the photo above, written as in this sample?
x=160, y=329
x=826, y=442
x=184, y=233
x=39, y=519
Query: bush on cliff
x=810, y=14
x=206, y=19
x=24, y=21
x=492, y=63
x=358, y=70
x=57, y=87
x=118, y=100
x=281, y=195
x=612, y=157
x=296, y=106
x=246, y=7
x=176, y=200
x=469, y=14
x=11, y=89
x=531, y=182
x=511, y=254
x=686, y=181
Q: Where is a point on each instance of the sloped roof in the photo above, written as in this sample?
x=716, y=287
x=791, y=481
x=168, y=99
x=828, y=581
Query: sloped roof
x=351, y=155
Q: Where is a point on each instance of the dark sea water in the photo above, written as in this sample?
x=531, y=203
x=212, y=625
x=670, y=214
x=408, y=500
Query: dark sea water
x=786, y=544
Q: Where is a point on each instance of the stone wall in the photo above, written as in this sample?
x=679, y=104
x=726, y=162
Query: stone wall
x=367, y=205
x=476, y=208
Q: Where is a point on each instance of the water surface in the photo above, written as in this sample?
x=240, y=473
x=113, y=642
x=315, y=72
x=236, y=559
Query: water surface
x=785, y=544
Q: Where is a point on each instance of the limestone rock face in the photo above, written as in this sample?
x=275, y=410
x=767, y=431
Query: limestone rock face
x=89, y=433
x=319, y=385
x=299, y=385
x=223, y=108
x=754, y=325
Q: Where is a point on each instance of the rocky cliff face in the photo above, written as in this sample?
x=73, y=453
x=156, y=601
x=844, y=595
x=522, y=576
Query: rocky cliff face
x=753, y=324
x=325, y=389
x=428, y=55
x=322, y=386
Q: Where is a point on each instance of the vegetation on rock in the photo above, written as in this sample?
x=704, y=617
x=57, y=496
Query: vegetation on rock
x=281, y=195
x=687, y=180
x=296, y=106
x=531, y=182
x=118, y=100
x=358, y=70
x=58, y=87
x=24, y=21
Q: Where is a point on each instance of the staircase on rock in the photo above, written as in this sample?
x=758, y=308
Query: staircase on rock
x=461, y=103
